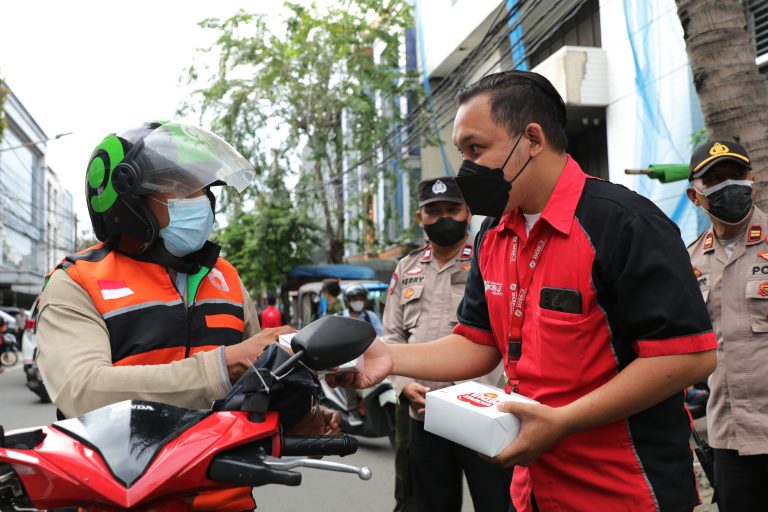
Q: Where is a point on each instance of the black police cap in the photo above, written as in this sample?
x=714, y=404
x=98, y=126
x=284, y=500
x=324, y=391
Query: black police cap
x=439, y=189
x=713, y=152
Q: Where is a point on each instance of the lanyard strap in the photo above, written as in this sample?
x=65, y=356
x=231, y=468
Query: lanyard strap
x=519, y=283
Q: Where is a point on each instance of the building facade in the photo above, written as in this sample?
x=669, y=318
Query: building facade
x=60, y=220
x=36, y=216
x=620, y=65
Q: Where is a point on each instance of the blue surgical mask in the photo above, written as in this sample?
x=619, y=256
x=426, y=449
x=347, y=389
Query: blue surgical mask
x=191, y=223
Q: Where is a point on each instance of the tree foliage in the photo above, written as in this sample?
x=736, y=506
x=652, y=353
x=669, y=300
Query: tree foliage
x=324, y=87
x=265, y=242
x=730, y=87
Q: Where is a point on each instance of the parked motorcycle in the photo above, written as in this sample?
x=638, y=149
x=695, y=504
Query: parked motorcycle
x=378, y=410
x=9, y=350
x=148, y=456
x=28, y=353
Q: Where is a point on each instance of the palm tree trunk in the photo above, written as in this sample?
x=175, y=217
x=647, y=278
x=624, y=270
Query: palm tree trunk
x=731, y=89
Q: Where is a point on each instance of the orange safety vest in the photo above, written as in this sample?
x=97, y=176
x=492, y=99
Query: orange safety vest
x=149, y=323
x=147, y=319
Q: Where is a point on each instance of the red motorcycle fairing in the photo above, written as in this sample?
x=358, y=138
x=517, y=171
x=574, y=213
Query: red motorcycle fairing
x=68, y=463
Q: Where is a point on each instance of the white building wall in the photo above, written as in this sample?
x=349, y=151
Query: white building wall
x=446, y=26
x=653, y=108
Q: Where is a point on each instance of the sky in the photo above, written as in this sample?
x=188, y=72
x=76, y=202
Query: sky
x=98, y=67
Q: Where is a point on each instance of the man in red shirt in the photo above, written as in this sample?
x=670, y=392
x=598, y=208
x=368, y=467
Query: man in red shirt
x=585, y=291
x=271, y=317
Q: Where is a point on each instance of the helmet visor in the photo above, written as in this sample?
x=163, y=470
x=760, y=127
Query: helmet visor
x=180, y=159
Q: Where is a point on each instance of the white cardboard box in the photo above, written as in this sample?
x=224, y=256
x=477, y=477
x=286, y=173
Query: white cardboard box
x=355, y=365
x=466, y=414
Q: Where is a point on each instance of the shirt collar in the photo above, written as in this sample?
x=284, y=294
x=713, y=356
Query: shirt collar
x=463, y=254
x=561, y=206
x=753, y=232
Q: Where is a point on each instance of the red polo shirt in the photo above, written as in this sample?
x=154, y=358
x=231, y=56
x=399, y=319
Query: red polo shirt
x=271, y=317
x=618, y=255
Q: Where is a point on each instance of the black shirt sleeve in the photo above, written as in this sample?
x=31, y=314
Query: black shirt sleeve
x=647, y=287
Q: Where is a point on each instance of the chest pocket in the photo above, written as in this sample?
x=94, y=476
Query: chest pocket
x=757, y=298
x=411, y=300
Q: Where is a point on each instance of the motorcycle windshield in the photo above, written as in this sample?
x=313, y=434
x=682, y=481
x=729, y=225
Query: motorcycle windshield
x=129, y=434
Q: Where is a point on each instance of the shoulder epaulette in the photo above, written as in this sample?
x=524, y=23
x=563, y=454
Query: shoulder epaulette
x=701, y=235
x=418, y=250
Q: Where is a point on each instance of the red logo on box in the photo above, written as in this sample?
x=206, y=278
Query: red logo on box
x=479, y=399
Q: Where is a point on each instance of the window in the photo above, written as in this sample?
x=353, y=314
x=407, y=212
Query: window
x=757, y=20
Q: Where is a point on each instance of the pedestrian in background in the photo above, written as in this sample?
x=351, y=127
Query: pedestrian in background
x=329, y=298
x=730, y=261
x=271, y=316
x=356, y=297
x=424, y=292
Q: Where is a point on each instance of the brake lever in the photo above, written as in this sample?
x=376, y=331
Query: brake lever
x=363, y=472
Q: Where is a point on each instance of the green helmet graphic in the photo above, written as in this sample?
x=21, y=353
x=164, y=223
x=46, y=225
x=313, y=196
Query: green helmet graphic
x=169, y=157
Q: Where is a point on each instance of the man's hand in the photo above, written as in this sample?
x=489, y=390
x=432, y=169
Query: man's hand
x=240, y=357
x=541, y=427
x=318, y=421
x=417, y=394
x=377, y=364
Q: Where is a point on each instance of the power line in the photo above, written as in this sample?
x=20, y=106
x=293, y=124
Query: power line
x=499, y=32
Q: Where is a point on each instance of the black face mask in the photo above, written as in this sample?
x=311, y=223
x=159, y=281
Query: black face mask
x=484, y=189
x=730, y=201
x=446, y=231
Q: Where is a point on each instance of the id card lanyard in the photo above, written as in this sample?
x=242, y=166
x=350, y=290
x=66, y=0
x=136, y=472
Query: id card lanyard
x=519, y=284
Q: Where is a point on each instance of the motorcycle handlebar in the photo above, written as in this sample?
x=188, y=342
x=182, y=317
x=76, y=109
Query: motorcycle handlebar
x=343, y=444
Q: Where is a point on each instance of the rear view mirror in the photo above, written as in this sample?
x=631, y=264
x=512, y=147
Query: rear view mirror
x=332, y=340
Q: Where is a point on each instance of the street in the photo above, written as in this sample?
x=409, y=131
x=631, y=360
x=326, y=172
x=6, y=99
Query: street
x=19, y=407
x=320, y=490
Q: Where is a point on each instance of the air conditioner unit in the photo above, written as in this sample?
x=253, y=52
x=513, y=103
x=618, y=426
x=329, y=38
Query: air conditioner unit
x=580, y=75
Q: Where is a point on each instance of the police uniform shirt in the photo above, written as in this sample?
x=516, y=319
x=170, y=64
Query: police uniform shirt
x=735, y=289
x=422, y=303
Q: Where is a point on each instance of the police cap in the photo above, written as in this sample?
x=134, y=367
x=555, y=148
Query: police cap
x=439, y=189
x=714, y=151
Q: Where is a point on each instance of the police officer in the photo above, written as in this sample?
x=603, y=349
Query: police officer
x=424, y=292
x=730, y=261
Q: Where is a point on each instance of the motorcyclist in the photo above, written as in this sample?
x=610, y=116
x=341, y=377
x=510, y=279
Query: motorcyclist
x=356, y=298
x=152, y=312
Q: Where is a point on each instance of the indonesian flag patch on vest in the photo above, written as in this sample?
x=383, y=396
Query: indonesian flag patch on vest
x=114, y=289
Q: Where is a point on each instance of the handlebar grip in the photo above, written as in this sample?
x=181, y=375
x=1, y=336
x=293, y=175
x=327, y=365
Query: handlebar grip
x=343, y=444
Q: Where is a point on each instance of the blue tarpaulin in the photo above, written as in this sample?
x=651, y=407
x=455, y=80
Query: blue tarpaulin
x=339, y=271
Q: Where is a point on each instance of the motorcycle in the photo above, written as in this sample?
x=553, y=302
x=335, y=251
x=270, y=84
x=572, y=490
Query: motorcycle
x=147, y=456
x=9, y=351
x=379, y=404
x=28, y=352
